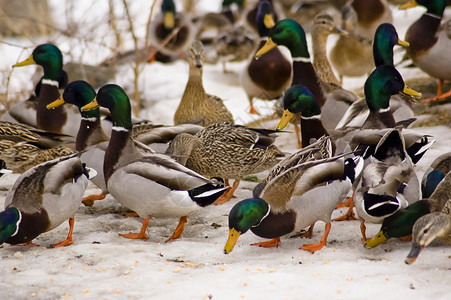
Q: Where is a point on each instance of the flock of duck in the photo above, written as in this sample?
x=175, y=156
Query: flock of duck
x=348, y=145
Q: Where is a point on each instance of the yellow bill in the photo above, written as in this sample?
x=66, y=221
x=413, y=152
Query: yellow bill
x=409, y=4
x=169, y=20
x=91, y=105
x=28, y=61
x=231, y=241
x=403, y=43
x=378, y=239
x=266, y=47
x=411, y=92
x=287, y=116
x=268, y=20
x=56, y=103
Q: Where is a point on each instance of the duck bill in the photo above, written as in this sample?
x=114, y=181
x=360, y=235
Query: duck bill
x=409, y=4
x=340, y=32
x=231, y=241
x=287, y=116
x=268, y=46
x=378, y=239
x=169, y=20
x=56, y=103
x=403, y=43
x=91, y=105
x=268, y=20
x=413, y=254
x=410, y=92
x=28, y=61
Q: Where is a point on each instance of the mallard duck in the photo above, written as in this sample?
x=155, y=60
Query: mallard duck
x=385, y=39
x=196, y=106
x=232, y=9
x=351, y=56
x=388, y=184
x=92, y=141
x=227, y=151
x=429, y=47
x=333, y=100
x=42, y=198
x=435, y=224
x=60, y=120
x=170, y=34
x=323, y=26
x=289, y=202
x=269, y=76
x=148, y=183
x=435, y=174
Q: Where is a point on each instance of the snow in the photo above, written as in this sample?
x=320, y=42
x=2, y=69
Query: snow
x=102, y=265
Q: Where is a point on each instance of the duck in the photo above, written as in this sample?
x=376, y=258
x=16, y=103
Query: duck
x=333, y=100
x=170, y=34
x=388, y=184
x=351, y=56
x=34, y=113
x=269, y=76
x=385, y=39
x=92, y=141
x=434, y=224
x=323, y=26
x=227, y=151
x=288, y=203
x=42, y=198
x=151, y=184
x=429, y=45
x=435, y=174
x=196, y=106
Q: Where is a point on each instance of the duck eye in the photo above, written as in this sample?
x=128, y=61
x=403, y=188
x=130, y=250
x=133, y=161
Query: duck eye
x=426, y=231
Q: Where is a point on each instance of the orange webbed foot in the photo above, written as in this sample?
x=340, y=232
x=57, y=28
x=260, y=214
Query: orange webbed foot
x=312, y=248
x=89, y=200
x=66, y=242
x=268, y=244
x=179, y=230
x=135, y=235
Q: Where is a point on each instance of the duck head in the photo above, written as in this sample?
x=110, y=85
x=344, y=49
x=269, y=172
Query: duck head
x=168, y=10
x=298, y=100
x=265, y=18
x=385, y=39
x=9, y=223
x=290, y=34
x=114, y=98
x=244, y=215
x=435, y=7
x=78, y=93
x=383, y=82
x=49, y=57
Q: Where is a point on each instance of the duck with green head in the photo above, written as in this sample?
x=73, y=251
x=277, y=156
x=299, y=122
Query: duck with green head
x=429, y=45
x=269, y=76
x=90, y=133
x=153, y=185
x=60, y=120
x=333, y=100
x=289, y=202
x=42, y=198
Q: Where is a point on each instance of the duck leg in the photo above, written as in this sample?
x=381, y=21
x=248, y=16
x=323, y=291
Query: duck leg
x=298, y=135
x=363, y=231
x=440, y=95
x=349, y=215
x=179, y=230
x=228, y=194
x=268, y=244
x=89, y=200
x=252, y=109
x=68, y=241
x=140, y=235
x=312, y=248
x=305, y=235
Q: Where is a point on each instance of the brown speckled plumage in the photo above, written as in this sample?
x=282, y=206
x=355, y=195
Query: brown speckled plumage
x=196, y=106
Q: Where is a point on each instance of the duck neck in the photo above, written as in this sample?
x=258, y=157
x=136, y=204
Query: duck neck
x=304, y=74
x=379, y=119
x=121, y=143
x=195, y=87
x=320, y=60
x=89, y=133
x=382, y=53
x=312, y=127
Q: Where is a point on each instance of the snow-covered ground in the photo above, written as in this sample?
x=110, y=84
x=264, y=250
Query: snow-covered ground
x=102, y=265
